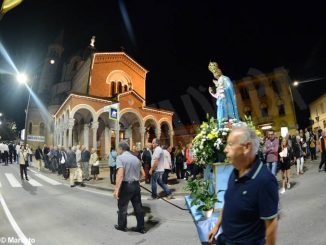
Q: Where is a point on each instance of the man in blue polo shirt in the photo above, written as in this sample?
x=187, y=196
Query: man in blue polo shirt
x=249, y=215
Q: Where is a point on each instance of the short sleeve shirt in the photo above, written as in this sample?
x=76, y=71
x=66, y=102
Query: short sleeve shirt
x=248, y=202
x=158, y=155
x=131, y=166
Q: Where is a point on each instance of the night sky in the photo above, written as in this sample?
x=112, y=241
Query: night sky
x=174, y=40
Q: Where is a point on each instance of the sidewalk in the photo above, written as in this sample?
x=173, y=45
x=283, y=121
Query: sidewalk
x=103, y=182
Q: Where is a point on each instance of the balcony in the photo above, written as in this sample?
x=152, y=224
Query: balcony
x=264, y=120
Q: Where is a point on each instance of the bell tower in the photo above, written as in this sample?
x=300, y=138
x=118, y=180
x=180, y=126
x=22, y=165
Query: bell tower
x=50, y=71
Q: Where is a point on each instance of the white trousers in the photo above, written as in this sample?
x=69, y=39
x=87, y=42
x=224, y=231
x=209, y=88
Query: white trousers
x=300, y=162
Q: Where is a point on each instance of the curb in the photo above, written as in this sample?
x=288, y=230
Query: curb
x=143, y=193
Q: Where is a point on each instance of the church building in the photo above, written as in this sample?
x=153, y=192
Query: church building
x=95, y=99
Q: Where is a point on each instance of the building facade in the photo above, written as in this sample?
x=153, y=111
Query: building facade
x=97, y=100
x=267, y=98
x=318, y=112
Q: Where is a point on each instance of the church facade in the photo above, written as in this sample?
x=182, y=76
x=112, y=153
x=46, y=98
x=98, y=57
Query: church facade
x=99, y=101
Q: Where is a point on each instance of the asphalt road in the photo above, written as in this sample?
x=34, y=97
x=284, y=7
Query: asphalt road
x=47, y=212
x=303, y=209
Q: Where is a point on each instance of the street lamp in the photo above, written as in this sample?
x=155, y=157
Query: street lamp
x=22, y=78
x=52, y=61
x=295, y=83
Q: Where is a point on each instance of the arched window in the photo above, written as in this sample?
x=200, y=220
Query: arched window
x=113, y=91
x=119, y=87
x=42, y=129
x=30, y=128
x=125, y=88
x=264, y=110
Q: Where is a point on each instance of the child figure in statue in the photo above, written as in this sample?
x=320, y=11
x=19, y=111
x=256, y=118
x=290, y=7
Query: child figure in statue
x=225, y=96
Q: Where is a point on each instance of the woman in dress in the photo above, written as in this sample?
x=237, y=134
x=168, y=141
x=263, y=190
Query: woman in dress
x=285, y=165
x=93, y=161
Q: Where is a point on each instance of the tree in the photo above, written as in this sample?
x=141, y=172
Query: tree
x=8, y=131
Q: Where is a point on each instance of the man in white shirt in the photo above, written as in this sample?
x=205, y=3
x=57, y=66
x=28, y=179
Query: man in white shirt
x=5, y=153
x=167, y=164
x=157, y=170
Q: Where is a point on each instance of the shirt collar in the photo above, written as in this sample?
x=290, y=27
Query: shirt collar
x=253, y=172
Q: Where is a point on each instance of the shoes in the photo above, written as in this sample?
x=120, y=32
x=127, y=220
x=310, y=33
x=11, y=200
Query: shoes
x=27, y=179
x=170, y=197
x=120, y=228
x=282, y=191
x=152, y=198
x=82, y=185
x=135, y=229
x=72, y=185
x=319, y=170
x=288, y=185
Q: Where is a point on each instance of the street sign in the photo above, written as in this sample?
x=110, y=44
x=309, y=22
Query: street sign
x=113, y=111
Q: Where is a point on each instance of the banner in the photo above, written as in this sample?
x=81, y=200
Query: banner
x=35, y=138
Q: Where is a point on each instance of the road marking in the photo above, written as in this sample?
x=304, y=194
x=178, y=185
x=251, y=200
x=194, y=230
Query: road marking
x=0, y=185
x=12, y=180
x=47, y=179
x=33, y=182
x=33, y=171
x=13, y=223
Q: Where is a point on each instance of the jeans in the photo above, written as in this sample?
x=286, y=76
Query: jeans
x=272, y=166
x=179, y=170
x=323, y=161
x=313, y=153
x=113, y=174
x=130, y=192
x=157, y=178
x=165, y=176
x=300, y=161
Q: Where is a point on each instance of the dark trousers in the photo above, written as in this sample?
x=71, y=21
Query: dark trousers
x=54, y=165
x=23, y=169
x=46, y=162
x=62, y=168
x=165, y=176
x=190, y=170
x=323, y=160
x=113, y=173
x=313, y=153
x=147, y=167
x=130, y=192
x=11, y=156
x=180, y=171
x=5, y=157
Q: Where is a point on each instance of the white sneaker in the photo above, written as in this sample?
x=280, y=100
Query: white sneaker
x=282, y=191
x=288, y=185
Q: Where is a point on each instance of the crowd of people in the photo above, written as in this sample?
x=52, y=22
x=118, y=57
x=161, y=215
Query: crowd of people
x=282, y=153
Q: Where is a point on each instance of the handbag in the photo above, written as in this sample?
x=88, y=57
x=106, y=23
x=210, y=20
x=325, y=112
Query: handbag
x=96, y=163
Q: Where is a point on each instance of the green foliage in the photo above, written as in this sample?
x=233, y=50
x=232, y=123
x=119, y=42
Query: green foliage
x=201, y=194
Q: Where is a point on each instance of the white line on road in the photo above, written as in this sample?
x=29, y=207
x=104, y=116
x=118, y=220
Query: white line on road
x=33, y=182
x=32, y=171
x=47, y=179
x=13, y=223
x=0, y=185
x=12, y=180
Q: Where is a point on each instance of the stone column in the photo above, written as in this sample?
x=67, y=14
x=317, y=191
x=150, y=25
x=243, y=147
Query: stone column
x=95, y=127
x=71, y=124
x=117, y=135
x=86, y=136
x=158, y=133
x=107, y=139
x=128, y=133
x=65, y=140
x=171, y=137
x=142, y=136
